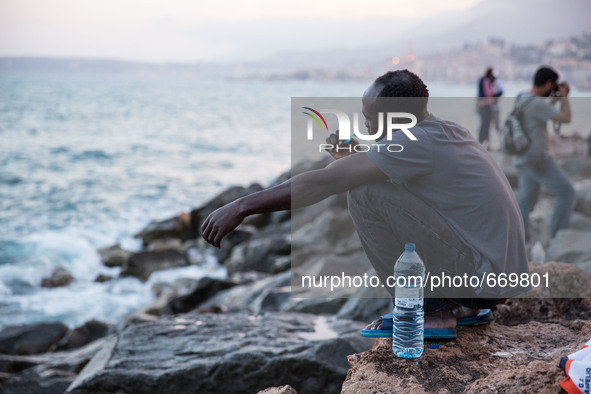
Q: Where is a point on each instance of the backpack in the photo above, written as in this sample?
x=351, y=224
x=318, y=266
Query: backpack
x=515, y=139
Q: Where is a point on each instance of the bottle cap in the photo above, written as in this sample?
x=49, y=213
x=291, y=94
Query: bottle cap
x=410, y=246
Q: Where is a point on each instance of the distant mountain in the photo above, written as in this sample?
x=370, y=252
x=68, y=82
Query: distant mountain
x=515, y=21
x=523, y=21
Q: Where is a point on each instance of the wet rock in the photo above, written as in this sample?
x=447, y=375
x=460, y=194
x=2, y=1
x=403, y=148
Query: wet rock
x=264, y=295
x=488, y=358
x=328, y=227
x=243, y=278
x=32, y=338
x=178, y=286
x=175, y=227
x=241, y=234
x=49, y=373
x=227, y=353
x=58, y=278
x=267, y=251
x=163, y=244
x=83, y=335
x=38, y=381
x=101, y=278
x=365, y=309
x=205, y=288
x=317, y=306
x=114, y=256
x=142, y=264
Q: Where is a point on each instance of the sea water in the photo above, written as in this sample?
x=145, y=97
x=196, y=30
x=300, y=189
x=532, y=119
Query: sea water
x=87, y=159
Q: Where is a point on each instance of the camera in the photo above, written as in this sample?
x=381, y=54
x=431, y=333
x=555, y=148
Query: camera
x=556, y=90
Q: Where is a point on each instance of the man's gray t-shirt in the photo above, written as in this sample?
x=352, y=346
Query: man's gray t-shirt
x=536, y=114
x=451, y=172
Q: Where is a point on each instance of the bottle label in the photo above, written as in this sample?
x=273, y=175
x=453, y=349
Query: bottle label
x=408, y=297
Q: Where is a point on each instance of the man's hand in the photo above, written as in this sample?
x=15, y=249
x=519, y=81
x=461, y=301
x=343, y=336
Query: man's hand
x=564, y=89
x=221, y=222
x=343, y=151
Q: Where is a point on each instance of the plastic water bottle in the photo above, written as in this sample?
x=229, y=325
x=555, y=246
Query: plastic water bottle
x=409, y=316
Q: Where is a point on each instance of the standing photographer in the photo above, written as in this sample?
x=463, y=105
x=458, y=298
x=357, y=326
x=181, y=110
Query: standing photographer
x=534, y=167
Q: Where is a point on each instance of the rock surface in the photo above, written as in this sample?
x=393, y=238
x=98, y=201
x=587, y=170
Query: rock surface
x=83, y=335
x=50, y=373
x=32, y=338
x=142, y=264
x=573, y=246
x=490, y=358
x=174, y=227
x=264, y=295
x=204, y=288
x=266, y=252
x=58, y=278
x=228, y=353
x=114, y=256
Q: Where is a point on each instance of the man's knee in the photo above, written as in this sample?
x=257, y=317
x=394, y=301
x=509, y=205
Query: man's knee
x=365, y=196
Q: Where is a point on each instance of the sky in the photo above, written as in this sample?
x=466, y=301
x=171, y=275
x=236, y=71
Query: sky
x=196, y=30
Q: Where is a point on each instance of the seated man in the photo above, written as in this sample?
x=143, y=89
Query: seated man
x=443, y=192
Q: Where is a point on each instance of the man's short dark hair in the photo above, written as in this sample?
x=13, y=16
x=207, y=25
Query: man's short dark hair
x=545, y=74
x=404, y=83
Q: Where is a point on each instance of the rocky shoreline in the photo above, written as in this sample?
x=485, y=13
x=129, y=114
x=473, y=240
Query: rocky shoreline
x=245, y=333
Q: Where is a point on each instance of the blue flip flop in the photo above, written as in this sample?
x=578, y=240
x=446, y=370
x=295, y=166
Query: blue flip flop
x=428, y=333
x=484, y=316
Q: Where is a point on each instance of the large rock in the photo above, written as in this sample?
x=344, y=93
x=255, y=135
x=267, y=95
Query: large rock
x=583, y=197
x=83, y=335
x=31, y=339
x=579, y=221
x=228, y=353
x=204, y=288
x=49, y=373
x=572, y=246
x=267, y=251
x=114, y=256
x=317, y=306
x=490, y=358
x=576, y=168
x=240, y=234
x=59, y=277
x=175, y=227
x=264, y=295
x=142, y=264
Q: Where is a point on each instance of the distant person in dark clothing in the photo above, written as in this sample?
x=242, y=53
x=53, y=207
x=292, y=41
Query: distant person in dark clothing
x=497, y=87
x=485, y=103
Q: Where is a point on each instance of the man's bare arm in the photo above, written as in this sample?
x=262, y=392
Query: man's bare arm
x=307, y=189
x=565, y=114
